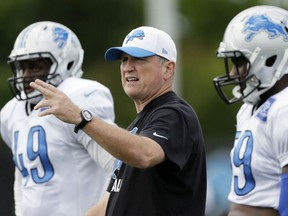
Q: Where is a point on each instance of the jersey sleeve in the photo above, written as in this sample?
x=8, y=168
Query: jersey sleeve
x=99, y=101
x=280, y=130
x=17, y=193
x=5, y=115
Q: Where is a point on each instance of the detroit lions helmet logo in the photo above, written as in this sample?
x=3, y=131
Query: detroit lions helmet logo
x=259, y=23
x=60, y=36
x=136, y=34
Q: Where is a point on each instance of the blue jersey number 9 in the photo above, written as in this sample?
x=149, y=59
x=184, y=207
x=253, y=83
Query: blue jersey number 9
x=242, y=157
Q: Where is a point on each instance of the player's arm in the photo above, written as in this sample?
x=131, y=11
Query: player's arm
x=283, y=206
x=17, y=192
x=100, y=208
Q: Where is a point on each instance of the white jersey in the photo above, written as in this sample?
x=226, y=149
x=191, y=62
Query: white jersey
x=259, y=153
x=63, y=173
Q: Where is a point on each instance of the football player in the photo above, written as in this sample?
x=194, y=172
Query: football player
x=58, y=172
x=255, y=52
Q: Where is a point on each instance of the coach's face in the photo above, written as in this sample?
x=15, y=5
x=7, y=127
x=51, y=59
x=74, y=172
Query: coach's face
x=144, y=79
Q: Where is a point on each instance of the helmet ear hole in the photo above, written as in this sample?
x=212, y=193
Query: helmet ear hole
x=70, y=64
x=270, y=61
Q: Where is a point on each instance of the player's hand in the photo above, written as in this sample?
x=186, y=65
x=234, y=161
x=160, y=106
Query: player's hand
x=56, y=102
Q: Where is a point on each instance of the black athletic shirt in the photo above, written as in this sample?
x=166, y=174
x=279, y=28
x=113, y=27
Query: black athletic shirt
x=178, y=185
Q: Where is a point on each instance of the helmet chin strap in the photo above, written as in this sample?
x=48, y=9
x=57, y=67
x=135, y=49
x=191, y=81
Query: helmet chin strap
x=251, y=98
x=56, y=80
x=236, y=91
x=35, y=98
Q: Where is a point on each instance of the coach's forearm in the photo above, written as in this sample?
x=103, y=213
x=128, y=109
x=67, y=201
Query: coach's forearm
x=135, y=150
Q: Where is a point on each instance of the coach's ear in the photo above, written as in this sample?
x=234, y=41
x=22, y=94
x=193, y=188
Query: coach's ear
x=169, y=69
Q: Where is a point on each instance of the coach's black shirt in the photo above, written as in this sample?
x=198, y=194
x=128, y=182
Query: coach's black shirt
x=178, y=185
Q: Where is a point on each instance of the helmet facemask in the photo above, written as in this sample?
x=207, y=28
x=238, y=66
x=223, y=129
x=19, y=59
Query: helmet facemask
x=19, y=83
x=233, y=87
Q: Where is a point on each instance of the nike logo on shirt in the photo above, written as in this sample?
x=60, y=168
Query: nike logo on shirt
x=88, y=93
x=157, y=135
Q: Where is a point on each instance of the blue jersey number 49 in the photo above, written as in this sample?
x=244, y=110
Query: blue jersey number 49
x=36, y=149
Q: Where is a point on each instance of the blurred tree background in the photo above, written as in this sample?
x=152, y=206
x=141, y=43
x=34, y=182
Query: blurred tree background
x=102, y=24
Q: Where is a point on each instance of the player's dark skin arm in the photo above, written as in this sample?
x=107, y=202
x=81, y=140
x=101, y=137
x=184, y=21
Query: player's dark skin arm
x=285, y=169
x=245, y=210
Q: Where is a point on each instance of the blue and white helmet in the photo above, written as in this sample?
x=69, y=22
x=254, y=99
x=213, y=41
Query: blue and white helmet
x=260, y=35
x=45, y=40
